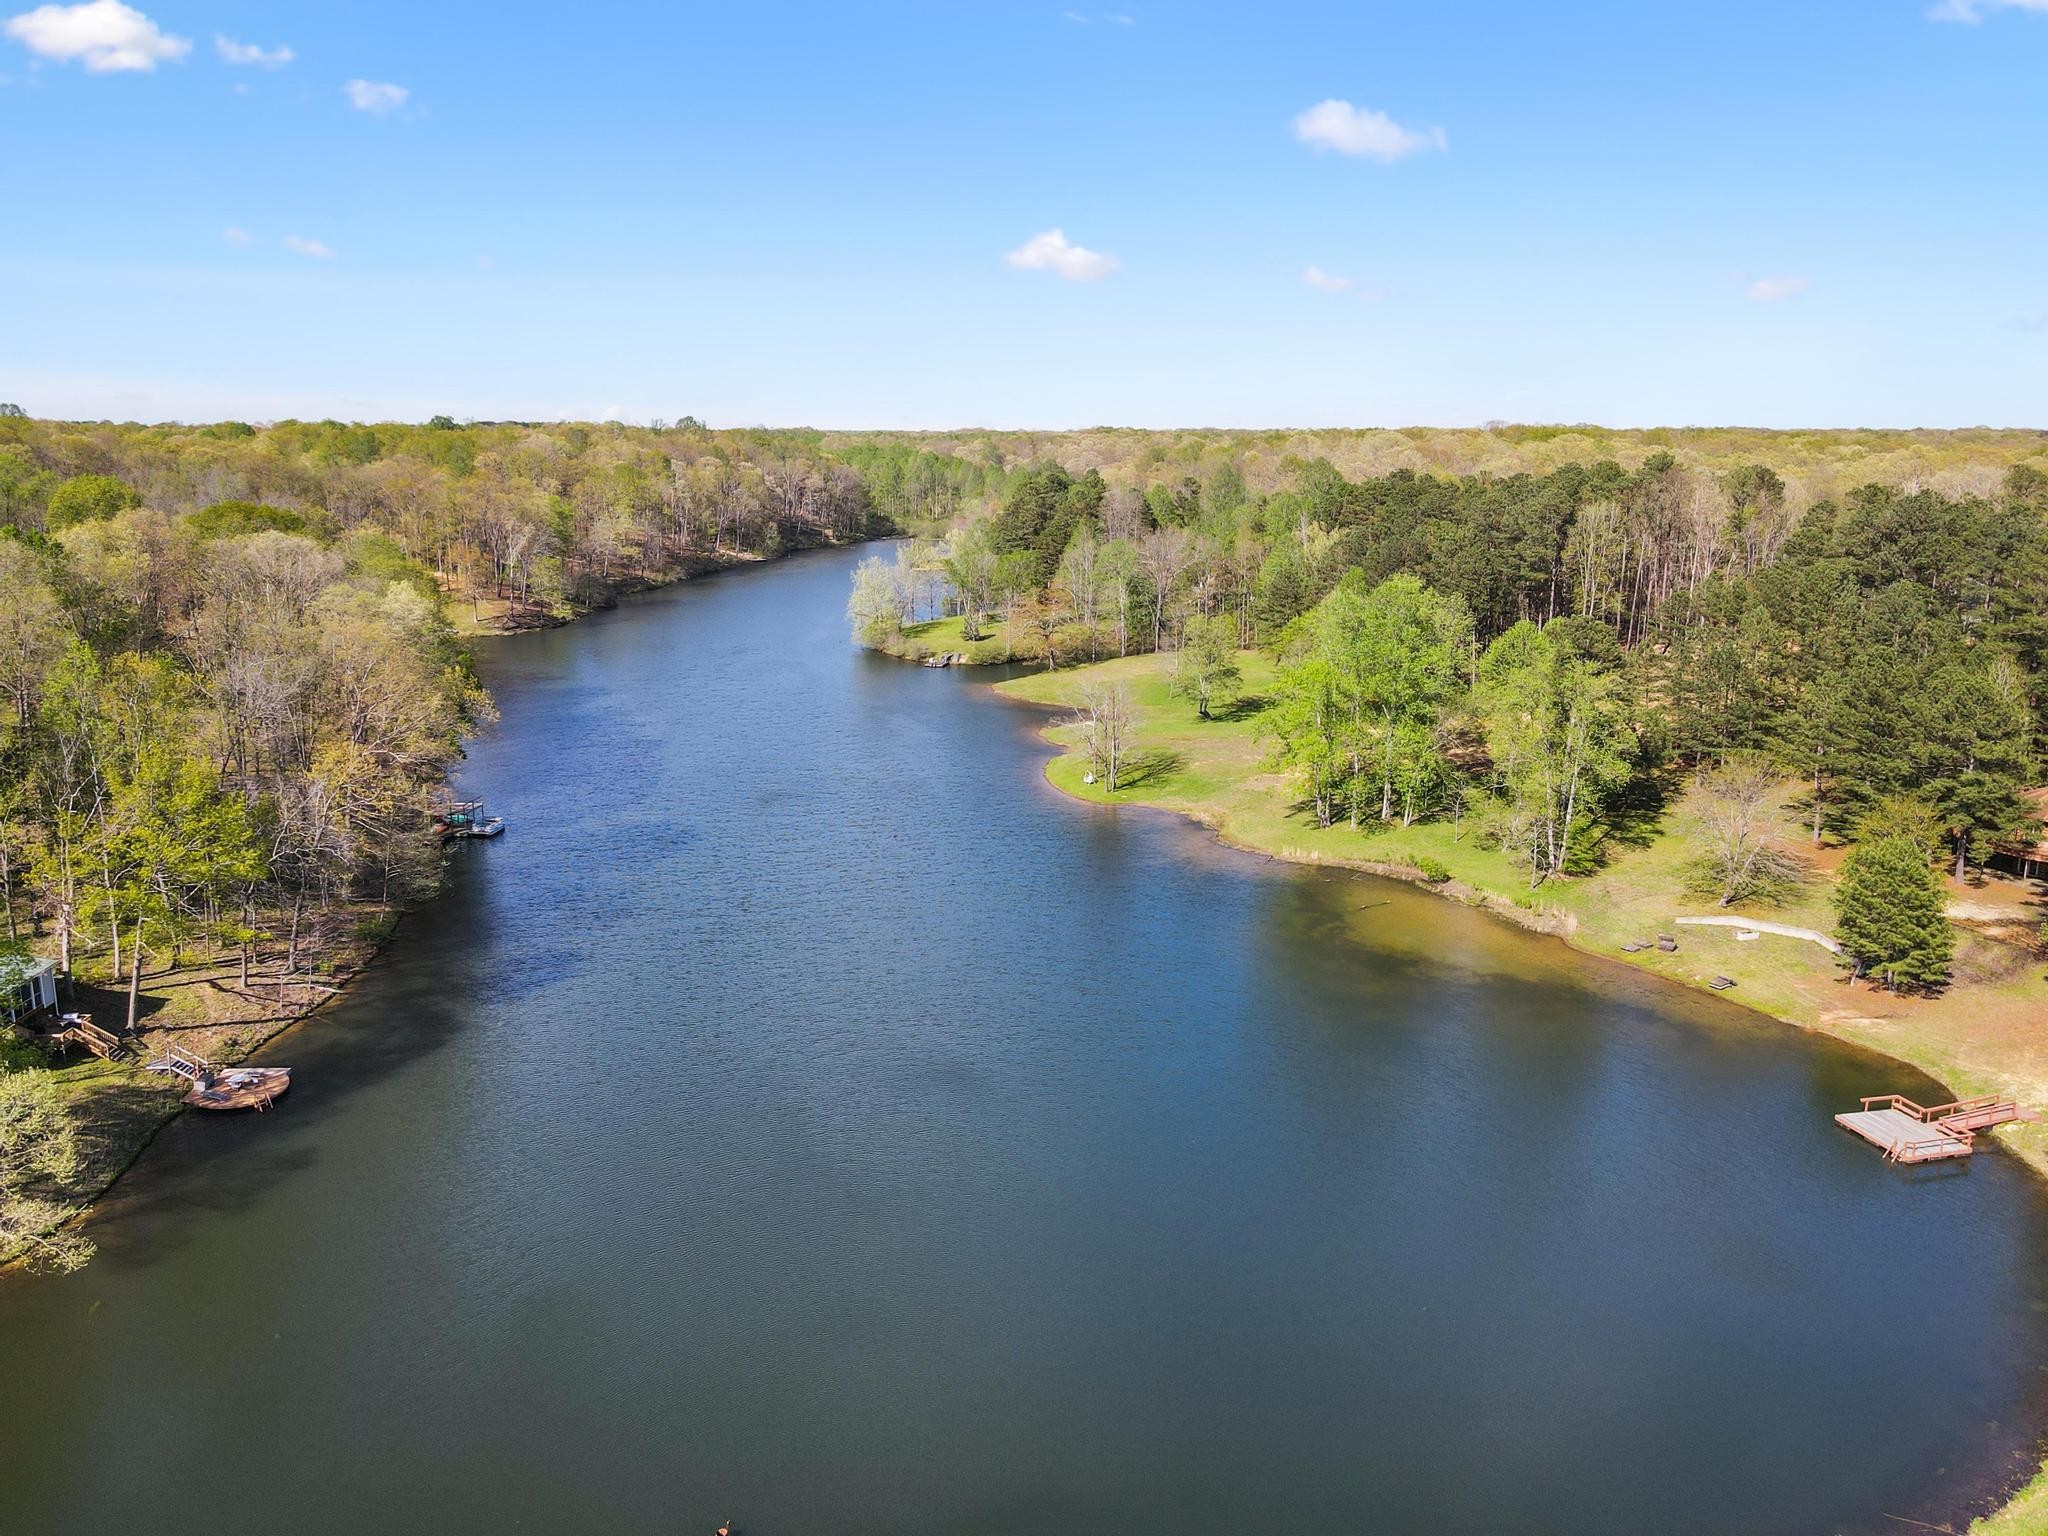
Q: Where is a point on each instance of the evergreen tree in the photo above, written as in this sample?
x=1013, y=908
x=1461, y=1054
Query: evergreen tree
x=1889, y=915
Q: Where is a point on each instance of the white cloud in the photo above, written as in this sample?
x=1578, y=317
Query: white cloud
x=315, y=248
x=239, y=238
x=377, y=97
x=1972, y=11
x=1327, y=282
x=105, y=34
x=233, y=52
x=1362, y=131
x=1769, y=290
x=1053, y=252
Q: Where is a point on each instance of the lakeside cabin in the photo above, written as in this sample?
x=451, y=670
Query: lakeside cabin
x=28, y=990
x=2027, y=855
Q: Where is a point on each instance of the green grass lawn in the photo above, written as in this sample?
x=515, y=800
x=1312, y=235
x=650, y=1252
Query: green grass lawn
x=941, y=637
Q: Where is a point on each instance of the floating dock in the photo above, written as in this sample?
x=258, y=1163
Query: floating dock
x=1913, y=1133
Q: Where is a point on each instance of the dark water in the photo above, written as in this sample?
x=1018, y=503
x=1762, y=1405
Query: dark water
x=804, y=1116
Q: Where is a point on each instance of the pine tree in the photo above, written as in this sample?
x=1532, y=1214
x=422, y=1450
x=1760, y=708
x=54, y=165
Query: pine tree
x=1889, y=915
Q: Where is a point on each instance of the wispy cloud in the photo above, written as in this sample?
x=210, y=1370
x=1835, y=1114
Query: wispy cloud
x=1972, y=11
x=1326, y=282
x=319, y=249
x=251, y=54
x=104, y=35
x=1053, y=252
x=2035, y=324
x=1362, y=131
x=239, y=238
x=1112, y=18
x=379, y=98
x=1770, y=290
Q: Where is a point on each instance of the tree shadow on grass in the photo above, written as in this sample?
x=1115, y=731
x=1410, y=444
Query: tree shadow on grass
x=1634, y=818
x=1243, y=707
x=1148, y=768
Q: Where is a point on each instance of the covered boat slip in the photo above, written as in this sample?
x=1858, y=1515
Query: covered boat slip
x=1912, y=1133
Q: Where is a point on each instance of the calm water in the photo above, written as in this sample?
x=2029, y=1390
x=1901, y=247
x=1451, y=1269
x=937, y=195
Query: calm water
x=803, y=1115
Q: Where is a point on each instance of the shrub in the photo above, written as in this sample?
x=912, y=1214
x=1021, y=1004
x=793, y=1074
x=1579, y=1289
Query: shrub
x=1435, y=871
x=375, y=930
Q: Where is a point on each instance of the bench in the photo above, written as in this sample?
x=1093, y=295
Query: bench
x=80, y=1030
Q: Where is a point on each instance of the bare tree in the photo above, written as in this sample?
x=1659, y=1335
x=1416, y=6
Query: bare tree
x=1736, y=798
x=1164, y=556
x=1106, y=721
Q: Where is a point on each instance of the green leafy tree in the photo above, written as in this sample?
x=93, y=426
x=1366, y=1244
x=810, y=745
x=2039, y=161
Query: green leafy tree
x=1889, y=915
x=1398, y=650
x=86, y=499
x=970, y=565
x=1205, y=669
x=38, y=1148
x=179, y=844
x=1557, y=730
x=1308, y=716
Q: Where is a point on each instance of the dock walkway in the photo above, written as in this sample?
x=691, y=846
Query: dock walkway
x=1912, y=1133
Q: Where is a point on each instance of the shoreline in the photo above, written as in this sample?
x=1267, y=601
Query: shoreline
x=2020, y=1509
x=1553, y=923
x=120, y=1108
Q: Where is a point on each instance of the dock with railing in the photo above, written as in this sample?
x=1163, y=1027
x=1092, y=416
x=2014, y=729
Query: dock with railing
x=1914, y=1133
x=223, y=1087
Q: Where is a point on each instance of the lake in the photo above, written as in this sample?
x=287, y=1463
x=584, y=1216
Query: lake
x=805, y=1116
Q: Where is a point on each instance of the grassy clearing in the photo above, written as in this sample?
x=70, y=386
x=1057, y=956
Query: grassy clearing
x=1982, y=1036
x=946, y=637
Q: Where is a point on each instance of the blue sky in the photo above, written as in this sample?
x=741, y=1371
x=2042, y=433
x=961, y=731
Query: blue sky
x=1785, y=214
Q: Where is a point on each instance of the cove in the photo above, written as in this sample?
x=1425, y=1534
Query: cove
x=806, y=1116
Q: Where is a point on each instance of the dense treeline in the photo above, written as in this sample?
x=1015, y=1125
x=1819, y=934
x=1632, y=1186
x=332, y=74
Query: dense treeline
x=209, y=728
x=549, y=517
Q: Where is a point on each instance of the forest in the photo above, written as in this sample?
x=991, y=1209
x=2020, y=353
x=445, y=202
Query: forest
x=1552, y=656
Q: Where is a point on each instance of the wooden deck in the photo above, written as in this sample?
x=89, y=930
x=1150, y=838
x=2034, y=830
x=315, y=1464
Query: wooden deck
x=1912, y=1133
x=214, y=1087
x=241, y=1088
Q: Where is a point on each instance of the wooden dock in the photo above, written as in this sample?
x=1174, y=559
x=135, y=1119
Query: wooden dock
x=223, y=1087
x=1913, y=1133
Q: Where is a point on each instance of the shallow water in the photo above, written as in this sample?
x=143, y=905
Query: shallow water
x=804, y=1116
